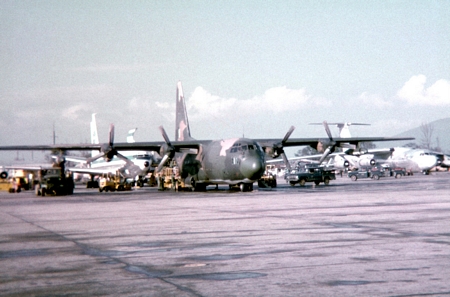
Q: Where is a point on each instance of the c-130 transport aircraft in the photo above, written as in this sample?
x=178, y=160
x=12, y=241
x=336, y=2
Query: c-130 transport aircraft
x=236, y=161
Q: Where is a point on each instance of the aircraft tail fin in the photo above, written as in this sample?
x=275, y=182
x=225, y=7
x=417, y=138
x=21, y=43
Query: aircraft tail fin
x=182, y=130
x=130, y=136
x=94, y=134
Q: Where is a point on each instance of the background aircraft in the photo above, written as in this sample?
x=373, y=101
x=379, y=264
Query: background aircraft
x=414, y=160
x=130, y=164
x=344, y=128
x=236, y=162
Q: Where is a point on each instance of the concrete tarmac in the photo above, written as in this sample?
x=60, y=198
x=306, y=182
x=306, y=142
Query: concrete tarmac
x=366, y=238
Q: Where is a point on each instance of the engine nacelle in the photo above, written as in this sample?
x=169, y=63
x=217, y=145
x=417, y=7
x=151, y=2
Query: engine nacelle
x=367, y=162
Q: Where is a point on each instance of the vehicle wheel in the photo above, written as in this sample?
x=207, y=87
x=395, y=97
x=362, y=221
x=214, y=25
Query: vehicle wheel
x=274, y=183
x=354, y=177
x=326, y=181
x=398, y=175
x=376, y=177
x=302, y=182
x=100, y=190
x=317, y=182
x=292, y=184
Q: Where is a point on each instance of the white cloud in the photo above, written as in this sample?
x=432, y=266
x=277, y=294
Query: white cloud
x=374, y=100
x=203, y=104
x=415, y=93
x=72, y=112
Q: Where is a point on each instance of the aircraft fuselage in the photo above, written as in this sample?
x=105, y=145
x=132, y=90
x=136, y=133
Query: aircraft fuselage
x=231, y=161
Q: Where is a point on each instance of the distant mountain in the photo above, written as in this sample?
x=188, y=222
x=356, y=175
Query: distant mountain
x=440, y=136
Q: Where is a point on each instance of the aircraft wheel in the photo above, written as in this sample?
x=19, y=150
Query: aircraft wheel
x=354, y=177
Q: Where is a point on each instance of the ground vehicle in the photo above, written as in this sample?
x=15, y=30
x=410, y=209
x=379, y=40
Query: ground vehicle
x=309, y=173
x=374, y=172
x=53, y=181
x=397, y=172
x=269, y=178
x=109, y=182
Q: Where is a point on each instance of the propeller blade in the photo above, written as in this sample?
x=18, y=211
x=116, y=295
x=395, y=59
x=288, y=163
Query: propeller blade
x=325, y=154
x=120, y=156
x=327, y=129
x=288, y=134
x=286, y=161
x=162, y=163
x=90, y=160
x=164, y=134
x=111, y=135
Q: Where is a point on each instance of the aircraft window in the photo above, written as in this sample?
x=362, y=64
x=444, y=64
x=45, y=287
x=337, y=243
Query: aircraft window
x=244, y=147
x=233, y=150
x=250, y=147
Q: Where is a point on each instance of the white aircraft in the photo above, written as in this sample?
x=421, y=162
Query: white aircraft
x=414, y=160
x=344, y=130
x=131, y=164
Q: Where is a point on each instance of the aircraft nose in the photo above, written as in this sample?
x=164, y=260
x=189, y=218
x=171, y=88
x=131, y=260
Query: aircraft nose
x=252, y=167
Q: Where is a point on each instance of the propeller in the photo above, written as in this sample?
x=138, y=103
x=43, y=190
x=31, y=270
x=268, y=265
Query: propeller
x=168, y=150
x=278, y=148
x=331, y=145
x=107, y=150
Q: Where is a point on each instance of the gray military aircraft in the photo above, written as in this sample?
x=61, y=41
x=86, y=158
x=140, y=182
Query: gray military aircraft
x=236, y=162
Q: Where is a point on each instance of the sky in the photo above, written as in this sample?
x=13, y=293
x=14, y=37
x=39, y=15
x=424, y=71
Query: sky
x=251, y=68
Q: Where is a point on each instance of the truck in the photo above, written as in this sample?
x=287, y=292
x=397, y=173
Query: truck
x=54, y=181
x=309, y=173
x=373, y=172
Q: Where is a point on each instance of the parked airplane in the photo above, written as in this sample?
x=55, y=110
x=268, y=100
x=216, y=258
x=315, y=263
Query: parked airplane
x=344, y=128
x=236, y=162
x=414, y=160
x=130, y=164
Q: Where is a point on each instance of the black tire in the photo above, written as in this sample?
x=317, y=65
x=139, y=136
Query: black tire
x=326, y=181
x=4, y=175
x=354, y=178
x=317, y=182
x=376, y=177
x=302, y=182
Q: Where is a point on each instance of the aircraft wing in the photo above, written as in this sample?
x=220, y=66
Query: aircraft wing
x=315, y=142
x=93, y=171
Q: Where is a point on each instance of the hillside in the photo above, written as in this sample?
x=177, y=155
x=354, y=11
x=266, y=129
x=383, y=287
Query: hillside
x=440, y=135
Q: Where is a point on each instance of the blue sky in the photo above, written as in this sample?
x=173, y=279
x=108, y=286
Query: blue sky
x=247, y=67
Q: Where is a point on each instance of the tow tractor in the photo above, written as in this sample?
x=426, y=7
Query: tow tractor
x=269, y=178
x=54, y=181
x=113, y=182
